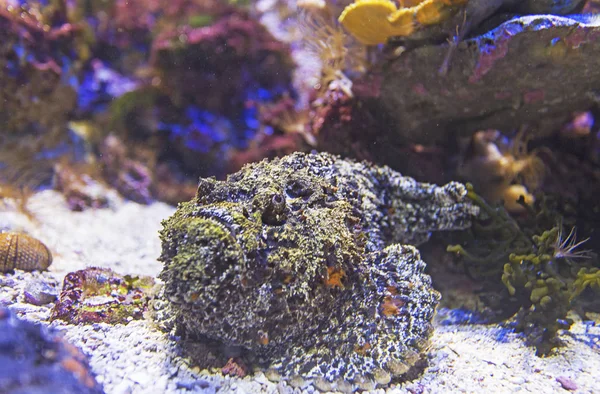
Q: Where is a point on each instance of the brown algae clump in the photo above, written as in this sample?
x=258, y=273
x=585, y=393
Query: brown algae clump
x=542, y=267
x=303, y=263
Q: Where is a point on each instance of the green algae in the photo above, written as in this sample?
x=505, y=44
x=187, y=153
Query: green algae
x=535, y=261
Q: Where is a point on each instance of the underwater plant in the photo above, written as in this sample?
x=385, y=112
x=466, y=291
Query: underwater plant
x=543, y=282
x=586, y=277
x=538, y=267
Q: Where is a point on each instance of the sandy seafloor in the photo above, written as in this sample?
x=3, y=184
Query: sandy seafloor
x=137, y=358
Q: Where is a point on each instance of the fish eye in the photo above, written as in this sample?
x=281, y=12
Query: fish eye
x=277, y=199
x=272, y=206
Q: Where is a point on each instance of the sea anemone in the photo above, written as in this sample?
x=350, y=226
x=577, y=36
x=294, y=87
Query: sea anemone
x=565, y=247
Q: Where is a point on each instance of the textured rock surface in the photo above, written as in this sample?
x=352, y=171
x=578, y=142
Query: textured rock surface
x=534, y=69
x=299, y=261
x=95, y=295
x=35, y=360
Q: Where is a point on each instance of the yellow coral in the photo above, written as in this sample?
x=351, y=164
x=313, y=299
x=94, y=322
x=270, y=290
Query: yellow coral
x=373, y=22
x=402, y=21
x=455, y=2
x=367, y=20
x=431, y=12
x=409, y=3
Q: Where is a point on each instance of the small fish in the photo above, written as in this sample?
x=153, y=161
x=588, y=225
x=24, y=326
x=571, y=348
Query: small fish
x=23, y=252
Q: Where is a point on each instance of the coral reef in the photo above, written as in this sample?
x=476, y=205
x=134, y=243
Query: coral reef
x=329, y=60
x=95, y=295
x=299, y=262
x=36, y=360
x=234, y=62
x=404, y=114
x=73, y=72
x=23, y=252
x=407, y=102
x=241, y=43
x=37, y=95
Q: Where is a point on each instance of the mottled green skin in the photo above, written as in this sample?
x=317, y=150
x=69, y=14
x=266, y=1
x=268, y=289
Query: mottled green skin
x=292, y=260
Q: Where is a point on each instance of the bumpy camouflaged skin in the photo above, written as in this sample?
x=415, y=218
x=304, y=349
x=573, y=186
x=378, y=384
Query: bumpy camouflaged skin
x=300, y=261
